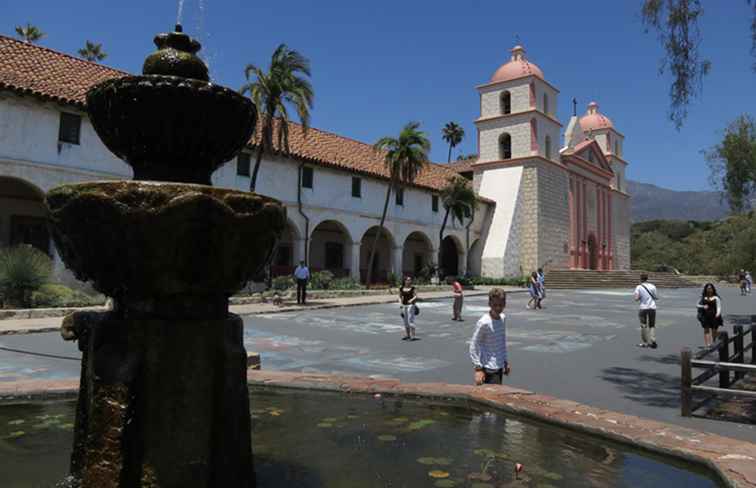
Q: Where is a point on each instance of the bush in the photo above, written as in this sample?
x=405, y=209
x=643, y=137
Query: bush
x=57, y=295
x=346, y=283
x=485, y=281
x=282, y=283
x=321, y=280
x=23, y=270
x=393, y=279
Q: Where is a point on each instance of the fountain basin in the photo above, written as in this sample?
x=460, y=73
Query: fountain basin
x=138, y=240
x=314, y=439
x=171, y=128
x=610, y=440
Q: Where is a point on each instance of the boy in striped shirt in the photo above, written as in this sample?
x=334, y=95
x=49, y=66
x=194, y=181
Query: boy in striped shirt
x=488, y=346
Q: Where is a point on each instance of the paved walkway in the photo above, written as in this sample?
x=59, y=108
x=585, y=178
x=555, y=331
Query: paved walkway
x=581, y=347
x=52, y=324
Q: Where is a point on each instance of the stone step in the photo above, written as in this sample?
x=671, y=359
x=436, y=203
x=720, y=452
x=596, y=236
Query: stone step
x=561, y=278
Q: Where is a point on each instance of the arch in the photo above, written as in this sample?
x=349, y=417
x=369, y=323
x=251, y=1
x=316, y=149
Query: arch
x=592, y=252
x=23, y=217
x=417, y=254
x=546, y=103
x=287, y=253
x=330, y=248
x=506, y=103
x=505, y=146
x=383, y=261
x=451, y=253
x=547, y=147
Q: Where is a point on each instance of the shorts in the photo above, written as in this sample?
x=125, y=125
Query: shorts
x=647, y=317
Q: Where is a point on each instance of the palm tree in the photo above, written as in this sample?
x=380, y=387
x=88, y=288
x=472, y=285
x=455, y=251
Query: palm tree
x=453, y=135
x=458, y=198
x=30, y=33
x=404, y=158
x=92, y=52
x=272, y=91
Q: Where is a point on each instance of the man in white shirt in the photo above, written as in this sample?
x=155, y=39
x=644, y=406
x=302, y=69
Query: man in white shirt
x=645, y=293
x=488, y=346
x=302, y=275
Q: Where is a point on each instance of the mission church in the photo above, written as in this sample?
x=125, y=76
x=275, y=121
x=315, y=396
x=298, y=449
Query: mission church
x=539, y=205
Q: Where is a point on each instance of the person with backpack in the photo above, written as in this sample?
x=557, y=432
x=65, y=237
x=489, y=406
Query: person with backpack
x=710, y=313
x=646, y=294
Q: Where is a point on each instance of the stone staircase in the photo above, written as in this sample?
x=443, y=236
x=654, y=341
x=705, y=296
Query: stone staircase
x=576, y=279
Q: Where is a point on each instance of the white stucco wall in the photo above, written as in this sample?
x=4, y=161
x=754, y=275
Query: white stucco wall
x=500, y=256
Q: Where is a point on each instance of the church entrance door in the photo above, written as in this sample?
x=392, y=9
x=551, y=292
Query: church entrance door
x=592, y=253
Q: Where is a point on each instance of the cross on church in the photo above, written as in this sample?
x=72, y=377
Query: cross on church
x=574, y=106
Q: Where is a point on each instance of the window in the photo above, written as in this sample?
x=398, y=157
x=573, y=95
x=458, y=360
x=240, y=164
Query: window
x=505, y=146
x=307, y=177
x=242, y=164
x=617, y=148
x=547, y=147
x=434, y=203
x=546, y=103
x=506, y=103
x=400, y=196
x=70, y=128
x=467, y=212
x=357, y=187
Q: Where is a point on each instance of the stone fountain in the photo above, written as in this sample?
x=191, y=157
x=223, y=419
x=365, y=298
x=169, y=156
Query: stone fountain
x=163, y=399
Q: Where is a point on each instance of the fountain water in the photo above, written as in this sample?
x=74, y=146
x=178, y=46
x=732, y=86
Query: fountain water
x=163, y=396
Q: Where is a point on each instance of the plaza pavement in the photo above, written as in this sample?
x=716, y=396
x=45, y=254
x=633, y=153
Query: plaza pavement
x=581, y=347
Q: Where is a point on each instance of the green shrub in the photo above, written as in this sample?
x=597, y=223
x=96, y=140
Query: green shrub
x=346, y=283
x=57, y=295
x=485, y=281
x=393, y=279
x=23, y=270
x=321, y=280
x=282, y=283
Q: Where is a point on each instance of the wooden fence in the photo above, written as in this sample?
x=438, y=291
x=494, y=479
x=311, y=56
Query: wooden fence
x=730, y=368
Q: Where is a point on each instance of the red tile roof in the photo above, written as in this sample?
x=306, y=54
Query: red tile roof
x=30, y=69
x=35, y=70
x=462, y=166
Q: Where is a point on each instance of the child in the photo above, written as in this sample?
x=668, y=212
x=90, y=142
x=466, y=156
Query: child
x=488, y=346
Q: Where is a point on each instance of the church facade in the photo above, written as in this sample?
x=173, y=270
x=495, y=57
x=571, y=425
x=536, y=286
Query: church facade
x=539, y=206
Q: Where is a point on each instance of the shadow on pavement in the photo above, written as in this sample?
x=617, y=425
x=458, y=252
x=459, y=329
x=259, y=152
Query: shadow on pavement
x=668, y=359
x=652, y=389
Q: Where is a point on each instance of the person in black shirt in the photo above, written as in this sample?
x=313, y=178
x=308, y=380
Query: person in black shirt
x=407, y=299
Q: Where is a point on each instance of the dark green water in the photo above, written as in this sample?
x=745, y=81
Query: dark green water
x=327, y=440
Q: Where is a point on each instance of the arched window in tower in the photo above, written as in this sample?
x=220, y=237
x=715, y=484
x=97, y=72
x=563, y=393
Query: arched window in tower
x=505, y=146
x=547, y=147
x=546, y=103
x=506, y=103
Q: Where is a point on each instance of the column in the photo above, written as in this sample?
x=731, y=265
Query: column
x=396, y=260
x=354, y=265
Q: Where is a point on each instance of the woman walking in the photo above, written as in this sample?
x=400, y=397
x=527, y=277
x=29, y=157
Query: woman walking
x=534, y=289
x=407, y=299
x=710, y=313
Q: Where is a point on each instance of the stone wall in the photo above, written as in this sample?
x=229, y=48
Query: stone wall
x=528, y=223
x=621, y=230
x=553, y=216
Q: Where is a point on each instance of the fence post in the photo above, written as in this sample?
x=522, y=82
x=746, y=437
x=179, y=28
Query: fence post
x=685, y=383
x=724, y=356
x=739, y=352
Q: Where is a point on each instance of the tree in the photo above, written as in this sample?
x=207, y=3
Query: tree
x=453, y=135
x=676, y=23
x=404, y=157
x=30, y=33
x=271, y=91
x=23, y=270
x=459, y=200
x=467, y=157
x=733, y=163
x=92, y=52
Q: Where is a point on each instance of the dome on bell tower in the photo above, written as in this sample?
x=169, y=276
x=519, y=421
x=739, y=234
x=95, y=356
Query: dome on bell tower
x=594, y=120
x=517, y=67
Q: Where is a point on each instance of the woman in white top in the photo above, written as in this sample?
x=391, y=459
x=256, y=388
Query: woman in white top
x=710, y=313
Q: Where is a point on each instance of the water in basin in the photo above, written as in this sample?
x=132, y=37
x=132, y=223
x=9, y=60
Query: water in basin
x=321, y=439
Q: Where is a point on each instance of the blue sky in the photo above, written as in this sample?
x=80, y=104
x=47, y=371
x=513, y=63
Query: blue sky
x=378, y=65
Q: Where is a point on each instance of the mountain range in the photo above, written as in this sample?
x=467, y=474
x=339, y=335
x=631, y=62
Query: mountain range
x=651, y=202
